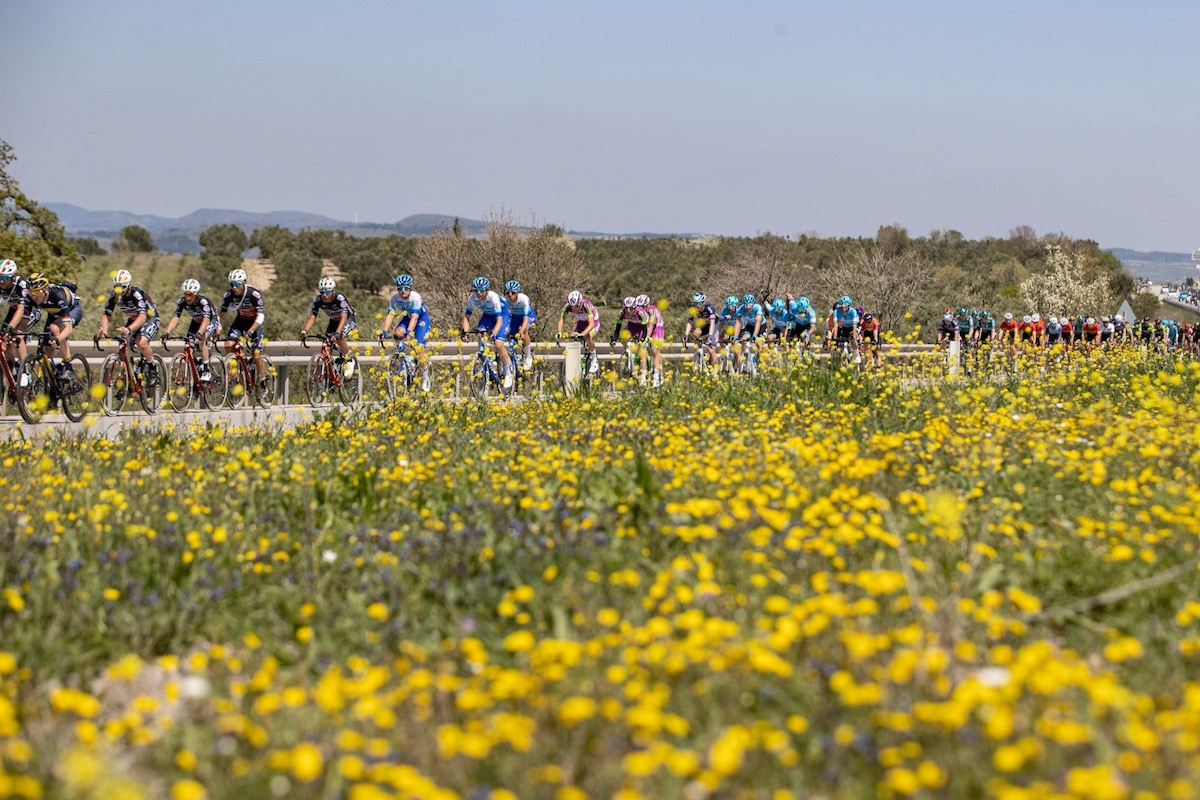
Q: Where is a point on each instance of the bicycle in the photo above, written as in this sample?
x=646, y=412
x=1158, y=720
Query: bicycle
x=843, y=351
x=12, y=376
x=185, y=381
x=486, y=373
x=325, y=376
x=242, y=379
x=629, y=366
x=120, y=377
x=401, y=371
x=47, y=385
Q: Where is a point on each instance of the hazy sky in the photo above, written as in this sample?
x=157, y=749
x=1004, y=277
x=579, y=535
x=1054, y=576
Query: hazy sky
x=716, y=117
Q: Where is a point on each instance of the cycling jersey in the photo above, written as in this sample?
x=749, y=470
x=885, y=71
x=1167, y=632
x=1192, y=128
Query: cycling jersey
x=407, y=306
x=491, y=307
x=947, y=328
x=636, y=321
x=845, y=319
x=870, y=331
x=132, y=302
x=522, y=307
x=749, y=317
x=585, y=315
x=248, y=305
x=657, y=329
x=62, y=302
x=334, y=305
x=807, y=317
x=198, y=309
x=781, y=319
x=17, y=294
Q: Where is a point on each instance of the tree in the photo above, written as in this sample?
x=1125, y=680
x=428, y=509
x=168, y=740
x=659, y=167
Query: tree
x=223, y=241
x=86, y=246
x=30, y=234
x=297, y=269
x=766, y=266
x=133, y=239
x=886, y=282
x=272, y=239
x=1065, y=287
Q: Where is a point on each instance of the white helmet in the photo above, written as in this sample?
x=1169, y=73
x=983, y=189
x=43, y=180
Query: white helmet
x=643, y=300
x=1027, y=318
x=1118, y=318
x=237, y=276
x=326, y=285
x=630, y=302
x=8, y=268
x=1008, y=315
x=1091, y=320
x=122, y=278
x=574, y=299
x=1036, y=318
x=191, y=286
x=1054, y=320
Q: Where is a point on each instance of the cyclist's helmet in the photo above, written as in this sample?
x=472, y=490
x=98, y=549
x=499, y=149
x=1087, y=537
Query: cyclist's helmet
x=730, y=301
x=481, y=284
x=238, y=276
x=698, y=298
x=575, y=298
x=1054, y=320
x=630, y=302
x=404, y=281
x=1118, y=318
x=190, y=286
x=947, y=315
x=1037, y=318
x=512, y=286
x=747, y=299
x=963, y=312
x=643, y=300
x=37, y=282
x=860, y=311
x=1008, y=315
x=986, y=314
x=779, y=304
x=1091, y=320
x=845, y=301
x=8, y=269
x=326, y=285
x=1026, y=318
x=868, y=317
x=804, y=303
x=122, y=278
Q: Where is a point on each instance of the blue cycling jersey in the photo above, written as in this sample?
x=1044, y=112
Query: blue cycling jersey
x=806, y=317
x=847, y=318
x=748, y=316
x=492, y=305
x=782, y=319
x=413, y=304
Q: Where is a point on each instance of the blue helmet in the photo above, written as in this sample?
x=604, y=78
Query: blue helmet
x=481, y=284
x=731, y=301
x=803, y=303
x=794, y=306
x=845, y=301
x=698, y=298
x=512, y=286
x=779, y=304
x=747, y=299
x=404, y=281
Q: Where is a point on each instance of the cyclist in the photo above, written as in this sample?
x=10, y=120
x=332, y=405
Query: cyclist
x=634, y=319
x=658, y=332
x=1053, y=332
x=341, y=321
x=966, y=327
x=587, y=323
x=1026, y=329
x=1120, y=329
x=1091, y=331
x=493, y=320
x=870, y=329
x=407, y=308
x=781, y=321
x=63, y=312
x=947, y=328
x=204, y=324
x=1068, y=330
x=141, y=318
x=846, y=320
x=23, y=313
x=986, y=327
x=748, y=325
x=702, y=322
x=1039, y=329
x=804, y=319
x=522, y=317
x=1008, y=329
x=249, y=316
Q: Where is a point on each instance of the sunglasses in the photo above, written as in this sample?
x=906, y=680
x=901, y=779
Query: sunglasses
x=236, y=284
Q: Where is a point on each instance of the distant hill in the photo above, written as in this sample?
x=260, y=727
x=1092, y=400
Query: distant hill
x=1157, y=265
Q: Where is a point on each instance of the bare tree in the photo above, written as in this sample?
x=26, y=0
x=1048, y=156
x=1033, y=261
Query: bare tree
x=885, y=283
x=1066, y=287
x=765, y=266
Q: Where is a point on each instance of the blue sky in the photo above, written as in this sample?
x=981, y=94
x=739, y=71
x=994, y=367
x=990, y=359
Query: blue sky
x=717, y=117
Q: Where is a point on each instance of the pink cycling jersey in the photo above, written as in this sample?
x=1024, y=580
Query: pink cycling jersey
x=586, y=316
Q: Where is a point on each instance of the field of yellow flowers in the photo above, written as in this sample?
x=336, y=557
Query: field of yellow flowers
x=819, y=583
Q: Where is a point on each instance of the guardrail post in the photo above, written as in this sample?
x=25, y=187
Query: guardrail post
x=281, y=384
x=573, y=367
x=952, y=356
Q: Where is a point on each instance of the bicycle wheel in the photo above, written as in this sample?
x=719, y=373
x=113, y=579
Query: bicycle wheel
x=76, y=388
x=350, y=389
x=153, y=386
x=266, y=386
x=237, y=382
x=480, y=380
x=395, y=376
x=214, y=390
x=114, y=380
x=318, y=382
x=33, y=399
x=180, y=390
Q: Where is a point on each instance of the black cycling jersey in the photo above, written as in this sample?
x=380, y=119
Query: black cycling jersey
x=199, y=308
x=334, y=306
x=132, y=302
x=248, y=306
x=17, y=294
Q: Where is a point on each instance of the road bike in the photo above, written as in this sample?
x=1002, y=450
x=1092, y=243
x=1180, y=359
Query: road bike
x=400, y=376
x=41, y=384
x=325, y=375
x=185, y=382
x=120, y=377
x=242, y=378
x=486, y=375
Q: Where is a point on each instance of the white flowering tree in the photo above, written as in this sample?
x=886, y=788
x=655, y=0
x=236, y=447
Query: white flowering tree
x=1066, y=287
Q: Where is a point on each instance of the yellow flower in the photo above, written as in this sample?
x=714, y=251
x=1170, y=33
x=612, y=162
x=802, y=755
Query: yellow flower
x=188, y=790
x=377, y=611
x=307, y=762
